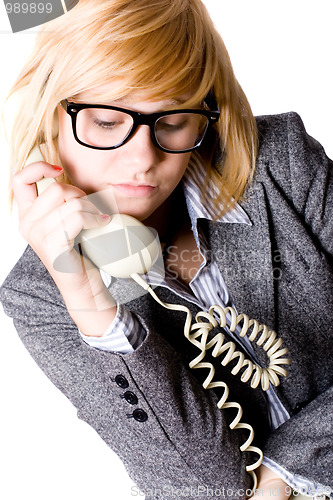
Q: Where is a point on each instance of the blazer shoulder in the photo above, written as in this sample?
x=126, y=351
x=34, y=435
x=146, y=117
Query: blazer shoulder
x=278, y=121
x=281, y=130
x=290, y=158
x=285, y=134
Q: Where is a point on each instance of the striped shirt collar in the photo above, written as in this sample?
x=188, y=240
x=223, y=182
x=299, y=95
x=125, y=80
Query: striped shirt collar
x=193, y=180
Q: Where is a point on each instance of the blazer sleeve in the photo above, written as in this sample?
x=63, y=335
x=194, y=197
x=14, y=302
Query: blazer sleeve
x=303, y=444
x=146, y=405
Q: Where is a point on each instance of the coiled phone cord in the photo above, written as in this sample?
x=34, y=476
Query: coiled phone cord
x=205, y=322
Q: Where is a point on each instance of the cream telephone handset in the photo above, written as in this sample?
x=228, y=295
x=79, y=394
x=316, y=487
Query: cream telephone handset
x=142, y=249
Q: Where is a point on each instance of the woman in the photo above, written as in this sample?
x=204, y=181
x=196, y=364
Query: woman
x=124, y=364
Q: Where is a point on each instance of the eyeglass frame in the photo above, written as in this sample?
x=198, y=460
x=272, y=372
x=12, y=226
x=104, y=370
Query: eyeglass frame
x=150, y=119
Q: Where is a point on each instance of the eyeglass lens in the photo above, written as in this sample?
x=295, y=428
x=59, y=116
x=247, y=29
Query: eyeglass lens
x=105, y=128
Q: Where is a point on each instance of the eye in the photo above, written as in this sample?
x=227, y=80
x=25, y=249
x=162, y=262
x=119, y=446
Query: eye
x=172, y=123
x=105, y=119
x=106, y=124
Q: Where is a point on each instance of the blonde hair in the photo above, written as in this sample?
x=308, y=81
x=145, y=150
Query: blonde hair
x=164, y=48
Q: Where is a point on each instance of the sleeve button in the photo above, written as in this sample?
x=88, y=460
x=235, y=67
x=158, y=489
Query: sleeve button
x=131, y=398
x=140, y=415
x=121, y=381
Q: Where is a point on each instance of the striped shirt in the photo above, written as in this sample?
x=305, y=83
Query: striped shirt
x=208, y=287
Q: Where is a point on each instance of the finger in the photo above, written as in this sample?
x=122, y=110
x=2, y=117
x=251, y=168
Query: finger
x=51, y=208
x=60, y=242
x=55, y=196
x=43, y=214
x=24, y=182
x=61, y=215
x=68, y=229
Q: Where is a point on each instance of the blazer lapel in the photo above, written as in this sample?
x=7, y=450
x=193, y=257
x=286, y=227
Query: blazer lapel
x=244, y=256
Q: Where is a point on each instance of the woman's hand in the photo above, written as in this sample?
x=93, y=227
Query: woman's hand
x=50, y=223
x=270, y=486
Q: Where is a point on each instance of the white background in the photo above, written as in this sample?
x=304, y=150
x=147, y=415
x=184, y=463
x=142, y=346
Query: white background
x=282, y=56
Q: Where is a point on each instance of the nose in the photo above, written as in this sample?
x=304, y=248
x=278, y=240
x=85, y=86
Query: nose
x=140, y=153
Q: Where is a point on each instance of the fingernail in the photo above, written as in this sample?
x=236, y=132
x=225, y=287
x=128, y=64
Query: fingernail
x=105, y=216
x=56, y=167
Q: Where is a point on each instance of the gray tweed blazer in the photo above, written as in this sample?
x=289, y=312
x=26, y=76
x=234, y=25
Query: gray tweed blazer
x=148, y=406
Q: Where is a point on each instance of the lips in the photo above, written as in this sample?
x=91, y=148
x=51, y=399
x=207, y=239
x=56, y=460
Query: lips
x=135, y=189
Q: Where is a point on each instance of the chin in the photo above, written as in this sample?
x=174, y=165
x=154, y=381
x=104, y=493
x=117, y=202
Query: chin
x=139, y=215
x=134, y=209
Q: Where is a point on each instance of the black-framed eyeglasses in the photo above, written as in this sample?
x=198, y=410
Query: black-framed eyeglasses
x=104, y=127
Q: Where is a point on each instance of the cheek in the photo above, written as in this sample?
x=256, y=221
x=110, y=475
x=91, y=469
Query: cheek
x=180, y=164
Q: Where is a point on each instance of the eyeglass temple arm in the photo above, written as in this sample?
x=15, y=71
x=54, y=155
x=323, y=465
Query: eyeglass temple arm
x=211, y=102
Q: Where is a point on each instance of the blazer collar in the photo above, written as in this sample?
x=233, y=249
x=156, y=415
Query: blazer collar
x=193, y=181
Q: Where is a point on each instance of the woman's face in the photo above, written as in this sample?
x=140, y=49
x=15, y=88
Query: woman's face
x=140, y=176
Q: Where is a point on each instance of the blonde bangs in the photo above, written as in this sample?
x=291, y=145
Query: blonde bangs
x=158, y=49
